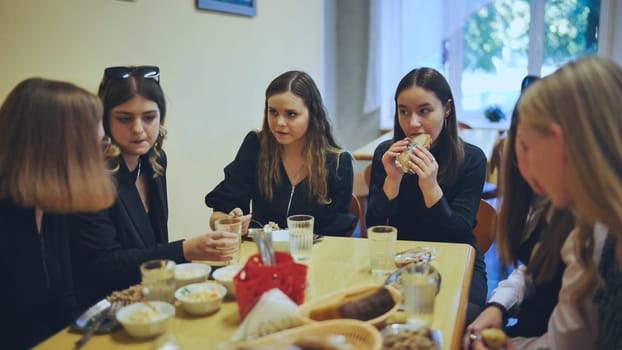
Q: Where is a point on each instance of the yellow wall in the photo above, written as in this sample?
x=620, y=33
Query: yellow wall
x=215, y=68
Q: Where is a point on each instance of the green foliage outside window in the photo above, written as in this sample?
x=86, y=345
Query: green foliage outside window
x=571, y=28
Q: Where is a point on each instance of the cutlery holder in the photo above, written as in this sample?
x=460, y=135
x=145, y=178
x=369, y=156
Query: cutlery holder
x=255, y=278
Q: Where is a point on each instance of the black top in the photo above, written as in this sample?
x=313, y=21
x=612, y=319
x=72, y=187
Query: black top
x=609, y=299
x=108, y=246
x=241, y=187
x=451, y=219
x=37, y=287
x=535, y=311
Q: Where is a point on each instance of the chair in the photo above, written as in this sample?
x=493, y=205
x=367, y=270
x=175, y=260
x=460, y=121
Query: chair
x=484, y=230
x=355, y=209
x=367, y=173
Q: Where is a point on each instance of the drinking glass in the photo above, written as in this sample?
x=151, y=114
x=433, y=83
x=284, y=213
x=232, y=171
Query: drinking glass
x=300, y=236
x=158, y=279
x=233, y=225
x=419, y=282
x=382, y=249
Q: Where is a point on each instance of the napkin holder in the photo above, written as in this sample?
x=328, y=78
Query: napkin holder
x=255, y=278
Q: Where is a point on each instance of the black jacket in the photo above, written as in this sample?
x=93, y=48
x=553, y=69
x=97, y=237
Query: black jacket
x=241, y=187
x=37, y=287
x=109, y=246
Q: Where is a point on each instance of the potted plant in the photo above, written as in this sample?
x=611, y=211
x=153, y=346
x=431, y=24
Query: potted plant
x=494, y=113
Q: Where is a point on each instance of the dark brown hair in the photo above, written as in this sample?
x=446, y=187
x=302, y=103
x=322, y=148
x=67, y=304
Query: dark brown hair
x=114, y=92
x=450, y=146
x=50, y=157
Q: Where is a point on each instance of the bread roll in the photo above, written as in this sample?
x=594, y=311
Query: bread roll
x=363, y=305
x=494, y=338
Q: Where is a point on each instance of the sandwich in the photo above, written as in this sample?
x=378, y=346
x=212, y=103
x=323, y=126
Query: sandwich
x=422, y=140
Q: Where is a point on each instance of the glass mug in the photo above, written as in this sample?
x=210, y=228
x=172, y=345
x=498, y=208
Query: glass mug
x=382, y=249
x=233, y=225
x=300, y=236
x=158, y=280
x=420, y=282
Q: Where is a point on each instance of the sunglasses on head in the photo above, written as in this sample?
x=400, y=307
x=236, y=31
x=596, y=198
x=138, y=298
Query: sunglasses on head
x=120, y=72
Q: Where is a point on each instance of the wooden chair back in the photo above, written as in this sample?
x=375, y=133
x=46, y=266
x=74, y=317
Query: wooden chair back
x=356, y=210
x=484, y=230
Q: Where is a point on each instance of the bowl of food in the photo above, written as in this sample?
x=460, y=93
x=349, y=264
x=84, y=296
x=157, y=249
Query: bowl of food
x=191, y=273
x=201, y=298
x=145, y=319
x=224, y=276
x=408, y=336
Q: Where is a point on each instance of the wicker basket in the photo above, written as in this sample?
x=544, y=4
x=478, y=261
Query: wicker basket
x=360, y=335
x=304, y=310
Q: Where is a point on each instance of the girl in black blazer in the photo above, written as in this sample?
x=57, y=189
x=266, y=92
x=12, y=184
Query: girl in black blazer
x=46, y=170
x=110, y=245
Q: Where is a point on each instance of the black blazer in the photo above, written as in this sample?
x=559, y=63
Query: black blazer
x=108, y=246
x=37, y=287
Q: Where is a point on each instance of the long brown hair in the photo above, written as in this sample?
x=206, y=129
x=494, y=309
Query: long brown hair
x=450, y=146
x=584, y=98
x=319, y=140
x=50, y=157
x=114, y=92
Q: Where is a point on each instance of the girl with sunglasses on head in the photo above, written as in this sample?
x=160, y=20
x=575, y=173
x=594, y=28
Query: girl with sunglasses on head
x=110, y=245
x=438, y=201
x=291, y=166
x=50, y=164
x=569, y=131
x=532, y=231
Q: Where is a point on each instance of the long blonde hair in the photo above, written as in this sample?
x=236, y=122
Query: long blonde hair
x=584, y=98
x=50, y=157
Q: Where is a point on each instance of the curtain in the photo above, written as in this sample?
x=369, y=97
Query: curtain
x=406, y=34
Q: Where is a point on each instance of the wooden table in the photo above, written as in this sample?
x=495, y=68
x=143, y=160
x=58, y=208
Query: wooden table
x=337, y=263
x=484, y=138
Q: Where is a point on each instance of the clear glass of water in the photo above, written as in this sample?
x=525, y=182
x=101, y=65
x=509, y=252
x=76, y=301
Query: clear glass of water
x=300, y=236
x=419, y=282
x=382, y=249
x=158, y=279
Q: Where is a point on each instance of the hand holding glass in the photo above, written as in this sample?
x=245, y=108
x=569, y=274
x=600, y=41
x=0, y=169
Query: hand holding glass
x=233, y=225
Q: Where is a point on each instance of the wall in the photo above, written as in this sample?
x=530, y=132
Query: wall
x=215, y=68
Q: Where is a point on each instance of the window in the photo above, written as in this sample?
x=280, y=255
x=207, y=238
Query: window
x=508, y=39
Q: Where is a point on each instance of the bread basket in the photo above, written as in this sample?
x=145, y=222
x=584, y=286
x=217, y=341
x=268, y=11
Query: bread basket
x=360, y=335
x=303, y=312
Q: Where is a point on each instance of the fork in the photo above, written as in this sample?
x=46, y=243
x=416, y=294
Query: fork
x=107, y=314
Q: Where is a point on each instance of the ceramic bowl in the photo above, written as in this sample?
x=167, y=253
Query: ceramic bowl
x=191, y=273
x=145, y=319
x=201, y=298
x=224, y=276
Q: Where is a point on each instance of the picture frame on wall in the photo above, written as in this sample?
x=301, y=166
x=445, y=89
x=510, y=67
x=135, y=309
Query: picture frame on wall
x=238, y=7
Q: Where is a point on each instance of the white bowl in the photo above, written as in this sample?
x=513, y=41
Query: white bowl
x=191, y=273
x=280, y=240
x=224, y=276
x=146, y=319
x=201, y=298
